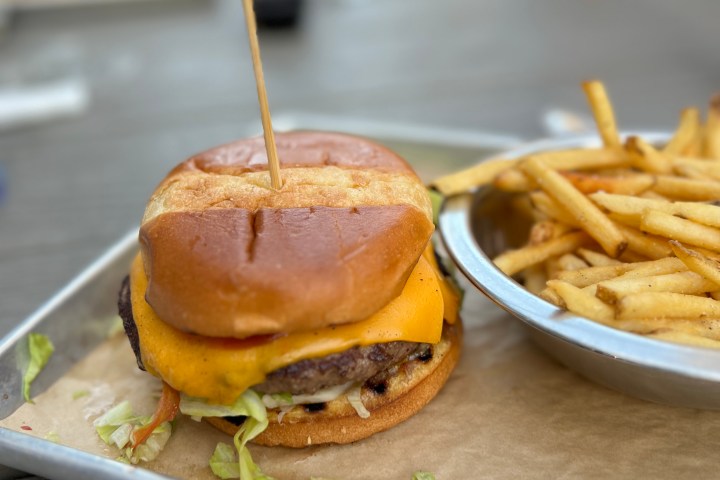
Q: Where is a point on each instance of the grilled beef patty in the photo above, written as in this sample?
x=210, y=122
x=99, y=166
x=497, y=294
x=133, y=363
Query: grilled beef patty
x=357, y=364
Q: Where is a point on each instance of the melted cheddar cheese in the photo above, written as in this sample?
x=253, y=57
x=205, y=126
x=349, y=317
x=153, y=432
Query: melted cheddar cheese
x=221, y=369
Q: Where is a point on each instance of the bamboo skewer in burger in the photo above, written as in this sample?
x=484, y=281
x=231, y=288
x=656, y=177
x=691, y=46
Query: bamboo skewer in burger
x=273, y=162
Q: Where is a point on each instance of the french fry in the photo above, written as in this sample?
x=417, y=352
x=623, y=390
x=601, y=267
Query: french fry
x=689, y=283
x=676, y=335
x=697, y=328
x=569, y=261
x=603, y=113
x=708, y=253
x=685, y=231
x=588, y=276
x=596, y=259
x=666, y=305
x=649, y=194
x=698, y=263
x=547, y=230
x=645, y=157
x=712, y=129
x=534, y=279
x=580, y=208
x=552, y=267
x=662, y=266
x=513, y=180
x=706, y=167
x=627, y=220
x=691, y=172
x=547, y=205
x=550, y=295
x=515, y=261
x=628, y=184
x=628, y=256
x=686, y=133
x=578, y=301
x=475, y=176
x=687, y=189
x=640, y=242
x=626, y=205
x=485, y=172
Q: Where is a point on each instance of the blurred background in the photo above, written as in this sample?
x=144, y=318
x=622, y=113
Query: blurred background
x=99, y=98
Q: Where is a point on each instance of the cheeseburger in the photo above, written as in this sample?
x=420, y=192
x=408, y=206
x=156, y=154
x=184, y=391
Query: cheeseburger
x=324, y=299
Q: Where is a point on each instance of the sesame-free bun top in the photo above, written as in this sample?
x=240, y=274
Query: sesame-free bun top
x=227, y=256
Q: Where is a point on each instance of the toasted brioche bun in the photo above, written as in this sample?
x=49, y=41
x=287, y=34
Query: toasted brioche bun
x=227, y=256
x=406, y=392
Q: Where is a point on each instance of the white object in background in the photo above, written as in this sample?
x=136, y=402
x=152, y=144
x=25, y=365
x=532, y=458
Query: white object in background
x=559, y=122
x=20, y=106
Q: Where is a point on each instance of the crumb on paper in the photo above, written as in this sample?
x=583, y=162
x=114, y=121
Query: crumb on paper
x=80, y=394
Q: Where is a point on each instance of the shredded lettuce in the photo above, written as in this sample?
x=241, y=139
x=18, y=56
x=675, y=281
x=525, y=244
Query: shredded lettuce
x=150, y=448
x=52, y=436
x=106, y=424
x=423, y=476
x=115, y=327
x=223, y=462
x=284, y=401
x=275, y=400
x=355, y=399
x=115, y=427
x=325, y=395
x=436, y=198
x=248, y=405
x=41, y=349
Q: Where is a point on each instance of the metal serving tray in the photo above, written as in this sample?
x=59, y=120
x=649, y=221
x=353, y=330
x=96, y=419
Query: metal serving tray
x=79, y=317
x=654, y=370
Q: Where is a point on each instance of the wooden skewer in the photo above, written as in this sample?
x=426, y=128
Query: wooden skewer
x=273, y=162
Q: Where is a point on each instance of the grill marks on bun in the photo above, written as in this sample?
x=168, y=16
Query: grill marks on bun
x=226, y=256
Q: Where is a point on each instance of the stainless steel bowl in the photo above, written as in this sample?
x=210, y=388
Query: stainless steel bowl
x=474, y=229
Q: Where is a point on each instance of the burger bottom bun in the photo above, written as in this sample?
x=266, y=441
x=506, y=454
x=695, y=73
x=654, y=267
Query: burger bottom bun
x=404, y=393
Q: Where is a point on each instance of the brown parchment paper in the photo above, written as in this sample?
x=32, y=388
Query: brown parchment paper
x=508, y=411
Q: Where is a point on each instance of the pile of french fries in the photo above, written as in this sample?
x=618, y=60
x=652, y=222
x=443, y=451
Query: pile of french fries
x=627, y=234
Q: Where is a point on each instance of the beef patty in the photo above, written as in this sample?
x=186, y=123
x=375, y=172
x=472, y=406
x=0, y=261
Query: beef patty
x=357, y=364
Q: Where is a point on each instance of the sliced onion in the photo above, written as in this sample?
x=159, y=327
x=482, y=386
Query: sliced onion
x=355, y=398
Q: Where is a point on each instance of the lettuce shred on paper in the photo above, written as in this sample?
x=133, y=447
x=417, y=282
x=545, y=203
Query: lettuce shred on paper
x=40, y=349
x=116, y=426
x=223, y=462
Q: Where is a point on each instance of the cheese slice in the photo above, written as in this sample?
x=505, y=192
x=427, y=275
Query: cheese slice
x=221, y=369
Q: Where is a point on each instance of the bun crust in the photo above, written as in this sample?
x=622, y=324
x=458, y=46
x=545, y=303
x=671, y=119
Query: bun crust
x=226, y=256
x=406, y=393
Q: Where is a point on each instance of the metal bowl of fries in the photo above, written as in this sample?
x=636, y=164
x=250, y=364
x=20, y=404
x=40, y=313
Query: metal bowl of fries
x=479, y=225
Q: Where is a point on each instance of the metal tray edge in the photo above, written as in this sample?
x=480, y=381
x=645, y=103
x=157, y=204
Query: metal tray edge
x=85, y=276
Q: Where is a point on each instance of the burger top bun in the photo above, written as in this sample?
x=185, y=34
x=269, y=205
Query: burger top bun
x=227, y=256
